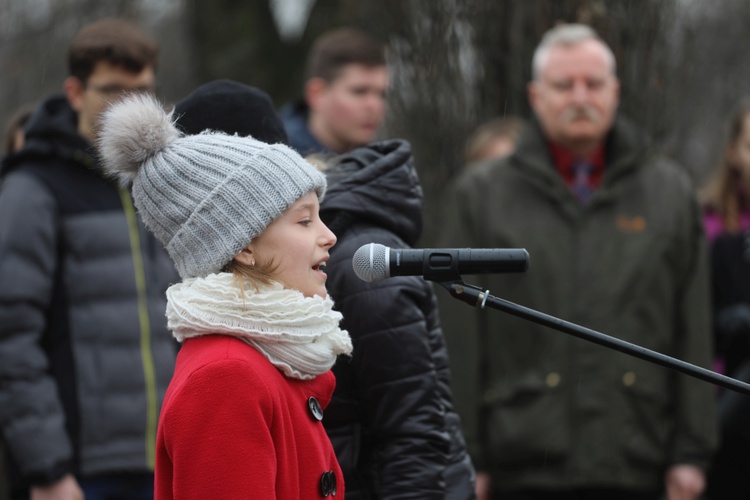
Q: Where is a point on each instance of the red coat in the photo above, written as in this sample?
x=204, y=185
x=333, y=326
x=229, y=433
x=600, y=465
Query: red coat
x=233, y=426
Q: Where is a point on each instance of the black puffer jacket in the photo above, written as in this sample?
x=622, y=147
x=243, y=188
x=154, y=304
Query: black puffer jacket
x=391, y=420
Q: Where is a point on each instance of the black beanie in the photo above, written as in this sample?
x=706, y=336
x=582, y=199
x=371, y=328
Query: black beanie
x=233, y=108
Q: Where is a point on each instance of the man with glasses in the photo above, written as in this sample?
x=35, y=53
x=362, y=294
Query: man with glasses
x=85, y=355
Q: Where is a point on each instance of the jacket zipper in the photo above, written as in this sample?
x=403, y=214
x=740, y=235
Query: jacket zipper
x=143, y=316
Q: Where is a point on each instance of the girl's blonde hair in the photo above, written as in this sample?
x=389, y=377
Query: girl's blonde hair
x=256, y=275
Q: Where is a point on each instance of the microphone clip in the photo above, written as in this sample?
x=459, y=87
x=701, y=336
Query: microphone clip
x=471, y=294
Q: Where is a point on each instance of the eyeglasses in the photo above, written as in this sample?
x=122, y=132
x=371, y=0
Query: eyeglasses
x=118, y=90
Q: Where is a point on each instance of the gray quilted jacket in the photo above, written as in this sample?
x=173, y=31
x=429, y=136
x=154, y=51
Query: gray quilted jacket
x=85, y=355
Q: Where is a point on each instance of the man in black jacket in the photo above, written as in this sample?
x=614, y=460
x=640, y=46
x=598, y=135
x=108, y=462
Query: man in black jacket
x=85, y=355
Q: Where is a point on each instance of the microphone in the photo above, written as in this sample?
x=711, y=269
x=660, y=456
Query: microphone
x=375, y=262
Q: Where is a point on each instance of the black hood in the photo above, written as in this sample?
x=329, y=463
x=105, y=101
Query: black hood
x=375, y=184
x=52, y=133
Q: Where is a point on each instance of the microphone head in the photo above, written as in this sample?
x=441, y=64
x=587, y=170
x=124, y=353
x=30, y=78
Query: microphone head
x=370, y=262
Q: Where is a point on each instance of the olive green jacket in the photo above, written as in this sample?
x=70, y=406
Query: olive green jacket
x=541, y=408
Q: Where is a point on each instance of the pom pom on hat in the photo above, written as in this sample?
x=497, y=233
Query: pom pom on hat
x=133, y=131
x=205, y=196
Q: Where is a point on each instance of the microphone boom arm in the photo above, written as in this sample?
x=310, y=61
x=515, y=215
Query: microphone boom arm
x=474, y=296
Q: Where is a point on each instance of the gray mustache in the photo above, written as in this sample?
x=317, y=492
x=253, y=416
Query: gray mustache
x=576, y=112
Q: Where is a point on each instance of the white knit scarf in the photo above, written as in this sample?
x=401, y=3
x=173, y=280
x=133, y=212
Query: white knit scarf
x=298, y=335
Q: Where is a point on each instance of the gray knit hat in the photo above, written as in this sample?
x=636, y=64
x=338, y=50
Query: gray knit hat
x=203, y=196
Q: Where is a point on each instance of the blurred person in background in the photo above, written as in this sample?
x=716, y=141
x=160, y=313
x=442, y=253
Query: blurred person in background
x=616, y=243
x=726, y=216
x=14, y=136
x=344, y=95
x=726, y=198
x=727, y=221
x=495, y=138
x=85, y=355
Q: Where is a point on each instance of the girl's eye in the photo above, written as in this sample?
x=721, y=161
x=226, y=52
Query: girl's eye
x=305, y=222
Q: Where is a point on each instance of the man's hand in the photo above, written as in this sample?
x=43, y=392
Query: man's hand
x=685, y=482
x=65, y=489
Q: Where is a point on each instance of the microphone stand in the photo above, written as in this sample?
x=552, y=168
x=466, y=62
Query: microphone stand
x=474, y=296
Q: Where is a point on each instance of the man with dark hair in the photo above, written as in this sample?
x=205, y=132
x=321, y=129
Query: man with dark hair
x=107, y=59
x=85, y=355
x=616, y=243
x=344, y=95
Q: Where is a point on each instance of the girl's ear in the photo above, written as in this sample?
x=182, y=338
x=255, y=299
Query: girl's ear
x=245, y=257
